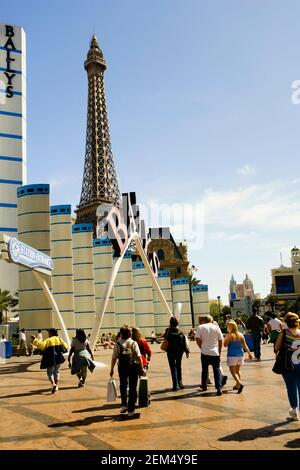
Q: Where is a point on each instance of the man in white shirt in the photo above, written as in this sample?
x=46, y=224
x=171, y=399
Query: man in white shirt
x=274, y=328
x=209, y=338
x=39, y=337
x=22, y=342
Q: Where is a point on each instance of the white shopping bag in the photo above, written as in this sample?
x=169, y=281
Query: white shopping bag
x=111, y=390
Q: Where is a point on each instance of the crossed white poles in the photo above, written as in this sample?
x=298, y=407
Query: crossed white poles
x=100, y=314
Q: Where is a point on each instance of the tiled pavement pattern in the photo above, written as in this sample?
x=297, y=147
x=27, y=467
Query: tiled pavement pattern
x=80, y=418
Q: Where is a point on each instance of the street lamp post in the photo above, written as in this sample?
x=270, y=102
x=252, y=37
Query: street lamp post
x=219, y=305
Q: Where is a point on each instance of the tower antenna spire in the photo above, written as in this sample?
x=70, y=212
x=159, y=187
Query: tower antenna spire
x=100, y=184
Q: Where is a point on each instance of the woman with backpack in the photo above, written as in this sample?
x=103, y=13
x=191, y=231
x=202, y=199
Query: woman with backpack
x=130, y=366
x=177, y=345
x=143, y=345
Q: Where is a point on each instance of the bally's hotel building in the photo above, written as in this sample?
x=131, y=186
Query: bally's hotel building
x=12, y=137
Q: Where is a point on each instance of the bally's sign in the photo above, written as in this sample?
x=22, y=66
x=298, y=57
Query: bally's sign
x=9, y=46
x=119, y=223
x=23, y=254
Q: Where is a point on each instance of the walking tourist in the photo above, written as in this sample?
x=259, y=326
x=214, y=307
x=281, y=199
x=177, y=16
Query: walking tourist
x=144, y=347
x=236, y=344
x=82, y=357
x=228, y=318
x=256, y=325
x=52, y=358
x=153, y=338
x=209, y=338
x=289, y=338
x=23, y=343
x=177, y=345
x=130, y=366
x=274, y=328
x=39, y=337
x=241, y=325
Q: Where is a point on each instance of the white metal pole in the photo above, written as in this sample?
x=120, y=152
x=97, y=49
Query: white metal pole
x=51, y=299
x=109, y=286
x=100, y=314
x=151, y=274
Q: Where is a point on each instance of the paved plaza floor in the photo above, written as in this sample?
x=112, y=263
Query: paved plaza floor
x=80, y=418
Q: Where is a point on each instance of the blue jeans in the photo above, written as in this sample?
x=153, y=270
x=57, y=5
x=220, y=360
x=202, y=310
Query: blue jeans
x=213, y=361
x=175, y=367
x=292, y=382
x=256, y=343
x=53, y=373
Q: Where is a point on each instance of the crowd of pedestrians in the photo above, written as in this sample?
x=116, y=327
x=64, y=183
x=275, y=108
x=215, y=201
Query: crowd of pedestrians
x=132, y=353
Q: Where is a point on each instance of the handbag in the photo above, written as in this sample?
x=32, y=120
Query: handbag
x=283, y=362
x=111, y=390
x=164, y=345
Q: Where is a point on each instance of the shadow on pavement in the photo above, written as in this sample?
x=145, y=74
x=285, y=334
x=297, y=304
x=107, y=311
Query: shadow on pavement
x=95, y=419
x=167, y=390
x=42, y=391
x=295, y=444
x=18, y=367
x=109, y=406
x=266, y=431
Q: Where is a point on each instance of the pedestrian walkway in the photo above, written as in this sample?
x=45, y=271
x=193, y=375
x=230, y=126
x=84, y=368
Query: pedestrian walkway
x=80, y=418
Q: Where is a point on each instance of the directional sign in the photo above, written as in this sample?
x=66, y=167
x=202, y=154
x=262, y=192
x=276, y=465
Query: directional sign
x=23, y=254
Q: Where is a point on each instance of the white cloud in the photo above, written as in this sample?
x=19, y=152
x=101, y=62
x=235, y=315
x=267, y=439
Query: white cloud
x=246, y=170
x=272, y=206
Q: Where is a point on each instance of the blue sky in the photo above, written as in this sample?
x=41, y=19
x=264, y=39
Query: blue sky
x=199, y=101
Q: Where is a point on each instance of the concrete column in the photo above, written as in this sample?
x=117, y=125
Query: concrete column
x=34, y=230
x=62, y=255
x=103, y=261
x=124, y=297
x=161, y=318
x=181, y=294
x=200, y=300
x=143, y=299
x=83, y=266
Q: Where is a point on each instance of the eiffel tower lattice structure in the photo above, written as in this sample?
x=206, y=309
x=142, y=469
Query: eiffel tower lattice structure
x=100, y=184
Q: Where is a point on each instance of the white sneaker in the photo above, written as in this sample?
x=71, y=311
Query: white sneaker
x=123, y=409
x=294, y=414
x=130, y=414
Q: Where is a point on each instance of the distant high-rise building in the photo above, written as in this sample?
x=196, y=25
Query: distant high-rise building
x=241, y=296
x=286, y=279
x=100, y=184
x=240, y=291
x=232, y=285
x=248, y=287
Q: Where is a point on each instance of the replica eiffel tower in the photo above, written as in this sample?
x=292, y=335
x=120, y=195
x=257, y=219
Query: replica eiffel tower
x=100, y=184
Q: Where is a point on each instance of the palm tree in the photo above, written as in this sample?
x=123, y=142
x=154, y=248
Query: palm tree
x=7, y=302
x=271, y=300
x=256, y=306
x=192, y=282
